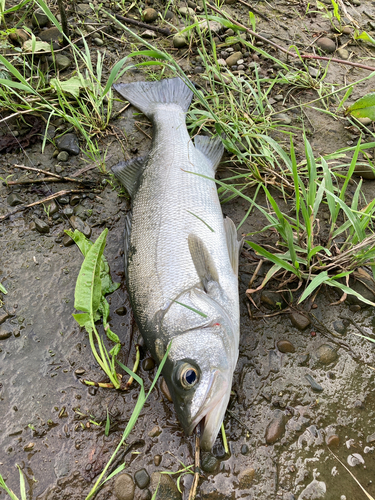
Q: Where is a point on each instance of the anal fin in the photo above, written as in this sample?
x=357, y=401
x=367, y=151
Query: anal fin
x=234, y=246
x=212, y=148
x=128, y=172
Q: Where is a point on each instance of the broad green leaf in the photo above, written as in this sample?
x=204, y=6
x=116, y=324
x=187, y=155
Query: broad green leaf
x=351, y=216
x=2, y=289
x=35, y=46
x=156, y=54
x=83, y=319
x=365, y=37
x=72, y=86
x=363, y=107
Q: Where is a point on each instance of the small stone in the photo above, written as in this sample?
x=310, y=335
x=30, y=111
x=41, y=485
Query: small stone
x=63, y=156
x=316, y=490
x=63, y=200
x=326, y=354
x=283, y=118
x=14, y=200
x=83, y=9
x=79, y=371
x=124, y=487
x=5, y=332
x=74, y=200
x=245, y=478
x=179, y=41
x=40, y=19
x=168, y=15
x=364, y=170
x=209, y=462
x=155, y=432
x=343, y=54
x=186, y=11
x=233, y=58
x=272, y=300
x=276, y=428
x=355, y=308
x=198, y=70
x=370, y=438
x=244, y=449
x=81, y=226
x=347, y=30
x=32, y=226
x=68, y=143
x=314, y=72
x=62, y=62
x=326, y=44
x=98, y=41
x=167, y=488
x=339, y=326
x=121, y=311
x=150, y=15
x=92, y=391
x=221, y=62
x=299, y=320
x=157, y=460
x=41, y=226
x=164, y=389
x=29, y=447
x=51, y=208
x=149, y=34
x=51, y=35
x=333, y=441
x=314, y=385
x=67, y=241
x=148, y=364
x=365, y=121
x=142, y=479
x=285, y=346
x=19, y=36
x=145, y=495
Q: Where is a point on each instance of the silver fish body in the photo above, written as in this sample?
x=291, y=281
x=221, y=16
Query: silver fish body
x=182, y=258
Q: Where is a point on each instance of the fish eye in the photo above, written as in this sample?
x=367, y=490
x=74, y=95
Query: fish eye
x=188, y=376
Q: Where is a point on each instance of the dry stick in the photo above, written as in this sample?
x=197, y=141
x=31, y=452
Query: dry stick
x=286, y=51
x=54, y=178
x=128, y=20
x=194, y=487
x=143, y=132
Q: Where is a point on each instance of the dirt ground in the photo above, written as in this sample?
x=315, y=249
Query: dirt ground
x=301, y=422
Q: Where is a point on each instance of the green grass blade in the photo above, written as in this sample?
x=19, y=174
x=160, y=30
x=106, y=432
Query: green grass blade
x=2, y=289
x=22, y=484
x=315, y=282
x=273, y=258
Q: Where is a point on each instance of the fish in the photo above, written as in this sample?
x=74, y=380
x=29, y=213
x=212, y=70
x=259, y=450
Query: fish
x=181, y=258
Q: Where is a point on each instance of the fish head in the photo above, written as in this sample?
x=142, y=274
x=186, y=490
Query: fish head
x=199, y=373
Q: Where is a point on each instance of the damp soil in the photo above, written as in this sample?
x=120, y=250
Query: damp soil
x=303, y=402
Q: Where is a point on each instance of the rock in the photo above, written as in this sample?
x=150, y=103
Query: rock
x=221, y=62
x=164, y=389
x=314, y=491
x=167, y=487
x=339, y=326
x=355, y=459
x=68, y=143
x=326, y=44
x=145, y=495
x=68, y=211
x=365, y=121
x=98, y=41
x=149, y=15
x=41, y=226
x=198, y=70
x=343, y=54
x=79, y=371
x=209, y=462
x=285, y=346
x=124, y=487
x=40, y=19
x=5, y=332
x=326, y=354
x=157, y=460
x=83, y=9
x=67, y=241
x=364, y=170
x=14, y=199
x=51, y=35
x=314, y=385
x=18, y=37
x=179, y=41
x=244, y=449
x=233, y=58
x=142, y=479
x=149, y=34
x=186, y=11
x=299, y=320
x=283, y=118
x=215, y=27
x=62, y=62
x=272, y=300
x=314, y=72
x=148, y=364
x=63, y=156
x=347, y=30
x=63, y=200
x=245, y=478
x=74, y=200
x=78, y=224
x=168, y=15
x=51, y=208
x=276, y=428
x=333, y=441
x=155, y=431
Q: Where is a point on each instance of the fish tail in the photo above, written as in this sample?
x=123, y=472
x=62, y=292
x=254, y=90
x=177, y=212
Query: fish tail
x=147, y=95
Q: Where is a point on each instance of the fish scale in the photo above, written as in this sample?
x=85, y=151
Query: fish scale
x=182, y=258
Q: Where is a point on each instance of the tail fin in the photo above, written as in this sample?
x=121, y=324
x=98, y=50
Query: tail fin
x=145, y=95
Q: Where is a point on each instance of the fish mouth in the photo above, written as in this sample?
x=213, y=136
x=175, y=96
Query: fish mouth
x=211, y=415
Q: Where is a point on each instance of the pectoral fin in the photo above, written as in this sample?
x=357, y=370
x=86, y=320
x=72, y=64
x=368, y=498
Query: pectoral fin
x=234, y=246
x=203, y=261
x=128, y=172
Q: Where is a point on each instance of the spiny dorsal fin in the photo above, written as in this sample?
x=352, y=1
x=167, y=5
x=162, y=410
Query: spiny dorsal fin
x=127, y=172
x=234, y=246
x=203, y=261
x=212, y=148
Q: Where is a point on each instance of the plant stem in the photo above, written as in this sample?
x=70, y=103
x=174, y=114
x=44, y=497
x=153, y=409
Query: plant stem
x=64, y=22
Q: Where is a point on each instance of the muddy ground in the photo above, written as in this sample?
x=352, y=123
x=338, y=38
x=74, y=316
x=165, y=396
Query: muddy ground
x=303, y=404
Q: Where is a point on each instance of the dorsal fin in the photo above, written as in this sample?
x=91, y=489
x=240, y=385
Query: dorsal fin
x=203, y=261
x=234, y=246
x=127, y=172
x=212, y=148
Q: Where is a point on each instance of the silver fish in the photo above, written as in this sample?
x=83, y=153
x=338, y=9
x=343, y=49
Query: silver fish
x=181, y=258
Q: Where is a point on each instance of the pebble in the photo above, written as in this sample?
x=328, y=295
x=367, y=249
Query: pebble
x=79, y=371
x=314, y=385
x=365, y=121
x=164, y=389
x=333, y=440
x=50, y=35
x=221, y=62
x=276, y=428
x=209, y=462
x=124, y=487
x=145, y=495
x=19, y=36
x=41, y=226
x=272, y=300
x=157, y=460
x=83, y=9
x=148, y=364
x=233, y=58
x=326, y=354
x=63, y=156
x=283, y=118
x=244, y=449
x=198, y=70
x=186, y=11
x=167, y=488
x=5, y=332
x=314, y=491
x=314, y=72
x=339, y=326
x=74, y=200
x=62, y=62
x=14, y=199
x=245, y=478
x=343, y=54
x=285, y=346
x=149, y=34
x=40, y=19
x=98, y=41
x=155, y=431
x=347, y=30
x=142, y=479
x=81, y=226
x=300, y=321
x=364, y=170
x=67, y=241
x=179, y=41
x=52, y=208
x=326, y=44
x=68, y=143
x=150, y=15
